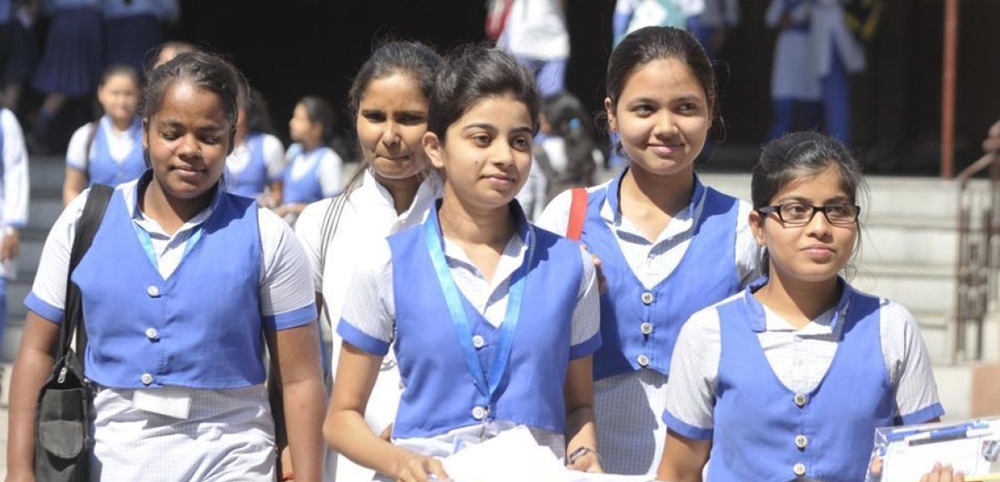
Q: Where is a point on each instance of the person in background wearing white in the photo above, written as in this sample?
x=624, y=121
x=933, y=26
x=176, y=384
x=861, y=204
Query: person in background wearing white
x=14, y=189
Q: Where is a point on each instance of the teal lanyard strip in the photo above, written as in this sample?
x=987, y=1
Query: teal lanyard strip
x=435, y=245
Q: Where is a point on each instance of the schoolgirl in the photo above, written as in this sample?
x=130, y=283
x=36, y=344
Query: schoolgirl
x=668, y=245
x=256, y=167
x=314, y=169
x=795, y=86
x=108, y=150
x=791, y=377
x=394, y=190
x=176, y=338
x=501, y=334
x=71, y=62
x=14, y=189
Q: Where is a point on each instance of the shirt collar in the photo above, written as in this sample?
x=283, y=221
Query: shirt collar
x=614, y=202
x=373, y=192
x=144, y=181
x=758, y=318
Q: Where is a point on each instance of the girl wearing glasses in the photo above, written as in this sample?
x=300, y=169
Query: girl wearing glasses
x=791, y=377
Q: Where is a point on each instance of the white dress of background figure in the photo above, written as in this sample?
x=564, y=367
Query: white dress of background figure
x=536, y=33
x=795, y=84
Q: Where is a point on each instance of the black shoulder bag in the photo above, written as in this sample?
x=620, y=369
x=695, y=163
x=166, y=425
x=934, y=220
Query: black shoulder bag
x=62, y=423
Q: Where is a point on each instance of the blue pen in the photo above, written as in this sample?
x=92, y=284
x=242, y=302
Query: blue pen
x=961, y=431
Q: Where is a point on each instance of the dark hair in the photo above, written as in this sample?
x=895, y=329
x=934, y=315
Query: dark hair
x=120, y=69
x=658, y=43
x=569, y=120
x=801, y=155
x=319, y=110
x=473, y=73
x=414, y=59
x=206, y=71
x=258, y=119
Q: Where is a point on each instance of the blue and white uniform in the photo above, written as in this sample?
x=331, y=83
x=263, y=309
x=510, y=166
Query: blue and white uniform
x=14, y=187
x=72, y=60
x=255, y=164
x=704, y=254
x=180, y=373
x=311, y=176
x=836, y=54
x=542, y=305
x=780, y=403
x=113, y=156
x=536, y=33
x=134, y=28
x=795, y=85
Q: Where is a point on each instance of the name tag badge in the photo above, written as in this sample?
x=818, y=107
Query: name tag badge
x=174, y=402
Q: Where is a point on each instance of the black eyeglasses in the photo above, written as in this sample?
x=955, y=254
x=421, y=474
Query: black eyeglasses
x=799, y=214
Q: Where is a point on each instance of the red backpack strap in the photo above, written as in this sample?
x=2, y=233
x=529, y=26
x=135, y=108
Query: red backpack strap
x=577, y=213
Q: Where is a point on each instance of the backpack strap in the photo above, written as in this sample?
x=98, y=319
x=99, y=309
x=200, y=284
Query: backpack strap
x=331, y=219
x=86, y=229
x=577, y=213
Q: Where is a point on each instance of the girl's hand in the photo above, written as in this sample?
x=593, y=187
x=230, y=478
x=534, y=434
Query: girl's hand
x=943, y=474
x=585, y=460
x=418, y=468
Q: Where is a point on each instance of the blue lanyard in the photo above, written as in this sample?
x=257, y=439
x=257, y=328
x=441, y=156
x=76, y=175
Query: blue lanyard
x=435, y=244
x=147, y=242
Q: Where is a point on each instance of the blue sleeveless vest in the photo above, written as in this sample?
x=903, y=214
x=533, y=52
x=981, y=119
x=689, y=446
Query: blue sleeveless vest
x=307, y=188
x=251, y=181
x=765, y=432
x=440, y=394
x=705, y=275
x=102, y=169
x=199, y=328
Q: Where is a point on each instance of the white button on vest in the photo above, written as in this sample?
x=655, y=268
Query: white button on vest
x=801, y=399
x=153, y=291
x=801, y=441
x=647, y=298
x=146, y=379
x=151, y=333
x=479, y=413
x=643, y=360
x=478, y=342
x=646, y=328
x=799, y=469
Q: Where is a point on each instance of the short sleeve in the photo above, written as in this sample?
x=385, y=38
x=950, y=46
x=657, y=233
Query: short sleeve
x=748, y=254
x=694, y=371
x=586, y=334
x=368, y=316
x=330, y=173
x=274, y=157
x=909, y=365
x=77, y=156
x=287, y=297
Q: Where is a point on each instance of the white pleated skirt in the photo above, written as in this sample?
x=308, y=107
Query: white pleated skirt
x=228, y=436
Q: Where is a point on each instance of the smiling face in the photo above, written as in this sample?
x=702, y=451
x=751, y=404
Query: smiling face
x=188, y=139
x=486, y=154
x=662, y=116
x=391, y=121
x=817, y=251
x=119, y=97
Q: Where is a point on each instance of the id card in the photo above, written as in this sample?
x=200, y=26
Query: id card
x=174, y=402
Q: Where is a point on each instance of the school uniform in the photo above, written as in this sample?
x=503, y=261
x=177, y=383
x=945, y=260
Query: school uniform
x=779, y=402
x=368, y=216
x=73, y=57
x=536, y=33
x=717, y=14
x=133, y=28
x=14, y=191
x=253, y=165
x=705, y=253
x=632, y=15
x=179, y=371
x=412, y=292
x=311, y=176
x=795, y=85
x=112, y=157
x=836, y=54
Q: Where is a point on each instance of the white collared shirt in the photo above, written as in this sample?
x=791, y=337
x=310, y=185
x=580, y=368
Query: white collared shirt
x=15, y=186
x=120, y=144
